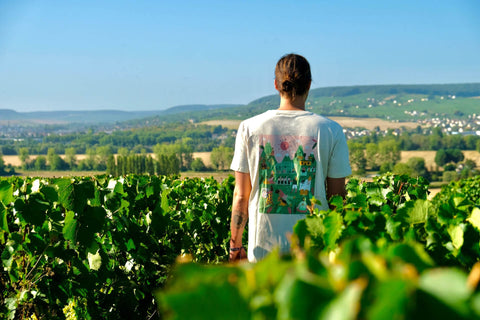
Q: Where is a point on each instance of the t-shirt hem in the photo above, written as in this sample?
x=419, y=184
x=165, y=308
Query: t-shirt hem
x=340, y=175
x=240, y=169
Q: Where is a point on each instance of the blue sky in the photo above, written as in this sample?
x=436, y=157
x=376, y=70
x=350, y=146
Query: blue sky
x=145, y=55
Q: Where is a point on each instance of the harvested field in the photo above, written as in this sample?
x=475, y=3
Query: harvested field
x=428, y=156
x=205, y=156
x=15, y=160
x=473, y=155
x=371, y=123
x=230, y=124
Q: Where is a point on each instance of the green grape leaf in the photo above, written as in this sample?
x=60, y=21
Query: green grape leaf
x=130, y=244
x=337, y=202
x=474, y=218
x=70, y=226
x=164, y=201
x=94, y=260
x=35, y=209
x=6, y=192
x=394, y=228
x=392, y=299
x=419, y=212
x=476, y=304
x=352, y=215
x=82, y=192
x=346, y=305
x=49, y=193
x=293, y=297
x=449, y=286
x=333, y=229
x=64, y=188
x=208, y=291
x=413, y=253
x=456, y=234
x=150, y=190
x=3, y=220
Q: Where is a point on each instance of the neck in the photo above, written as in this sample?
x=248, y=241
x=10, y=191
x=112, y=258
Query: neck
x=298, y=103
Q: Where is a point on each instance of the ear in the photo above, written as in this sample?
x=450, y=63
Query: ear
x=275, y=83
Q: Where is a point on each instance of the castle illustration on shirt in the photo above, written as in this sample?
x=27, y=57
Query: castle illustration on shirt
x=287, y=173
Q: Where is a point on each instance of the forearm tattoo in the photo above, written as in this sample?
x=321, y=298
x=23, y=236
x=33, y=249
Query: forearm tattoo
x=238, y=219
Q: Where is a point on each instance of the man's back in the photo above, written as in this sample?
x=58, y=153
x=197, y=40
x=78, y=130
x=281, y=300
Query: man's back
x=289, y=155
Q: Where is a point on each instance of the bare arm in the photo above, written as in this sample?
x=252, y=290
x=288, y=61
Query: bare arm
x=336, y=186
x=241, y=194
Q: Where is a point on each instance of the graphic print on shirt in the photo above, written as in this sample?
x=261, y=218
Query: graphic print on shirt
x=287, y=173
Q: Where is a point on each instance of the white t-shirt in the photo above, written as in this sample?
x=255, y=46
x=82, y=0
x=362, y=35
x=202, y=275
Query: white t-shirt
x=289, y=155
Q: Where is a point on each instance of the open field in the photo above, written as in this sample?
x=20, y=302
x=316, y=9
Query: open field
x=15, y=160
x=205, y=156
x=371, y=123
x=346, y=122
x=230, y=124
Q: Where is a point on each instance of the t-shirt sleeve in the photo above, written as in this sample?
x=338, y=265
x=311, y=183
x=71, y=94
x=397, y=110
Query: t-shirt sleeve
x=339, y=164
x=240, y=156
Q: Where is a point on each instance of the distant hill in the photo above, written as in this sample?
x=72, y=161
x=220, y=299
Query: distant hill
x=98, y=116
x=392, y=102
x=465, y=90
x=94, y=116
x=460, y=90
x=197, y=108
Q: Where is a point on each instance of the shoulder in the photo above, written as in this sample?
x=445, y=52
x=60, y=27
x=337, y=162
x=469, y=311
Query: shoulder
x=265, y=115
x=327, y=122
x=255, y=121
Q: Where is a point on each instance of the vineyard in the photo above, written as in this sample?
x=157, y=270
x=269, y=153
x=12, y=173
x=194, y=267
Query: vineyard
x=102, y=245
x=145, y=247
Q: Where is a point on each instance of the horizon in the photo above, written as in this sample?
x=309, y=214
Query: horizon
x=232, y=104
x=148, y=56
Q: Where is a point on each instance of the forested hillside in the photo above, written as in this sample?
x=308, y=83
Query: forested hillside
x=392, y=102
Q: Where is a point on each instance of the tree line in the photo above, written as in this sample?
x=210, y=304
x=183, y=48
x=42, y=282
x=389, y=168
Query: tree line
x=201, y=138
x=377, y=151
x=384, y=156
x=422, y=139
x=167, y=159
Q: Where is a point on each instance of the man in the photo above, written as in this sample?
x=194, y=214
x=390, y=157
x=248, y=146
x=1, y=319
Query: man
x=282, y=158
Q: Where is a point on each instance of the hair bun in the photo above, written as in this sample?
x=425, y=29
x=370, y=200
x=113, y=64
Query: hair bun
x=287, y=86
